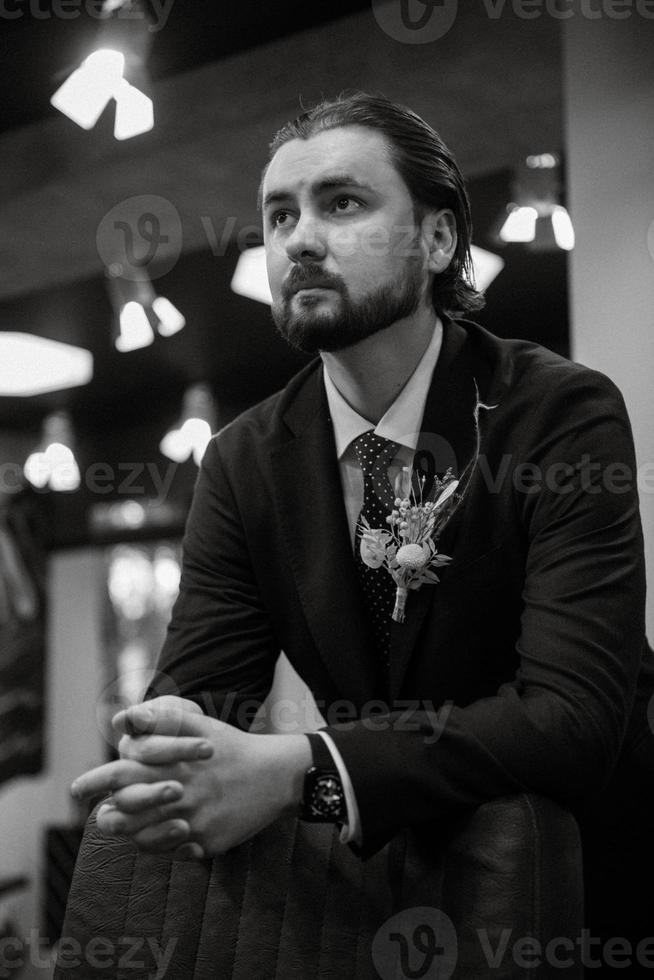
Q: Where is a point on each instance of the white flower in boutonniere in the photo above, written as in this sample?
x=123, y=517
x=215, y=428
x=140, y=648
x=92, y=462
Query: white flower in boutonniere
x=408, y=549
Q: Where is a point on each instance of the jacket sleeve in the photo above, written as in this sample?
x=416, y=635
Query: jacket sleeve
x=220, y=650
x=557, y=727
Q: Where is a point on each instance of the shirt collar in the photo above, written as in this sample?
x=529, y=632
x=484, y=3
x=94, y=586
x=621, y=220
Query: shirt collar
x=401, y=421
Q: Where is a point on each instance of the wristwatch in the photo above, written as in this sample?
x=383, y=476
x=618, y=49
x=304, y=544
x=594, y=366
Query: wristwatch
x=323, y=798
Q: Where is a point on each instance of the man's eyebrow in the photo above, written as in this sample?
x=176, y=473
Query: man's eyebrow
x=340, y=180
x=327, y=183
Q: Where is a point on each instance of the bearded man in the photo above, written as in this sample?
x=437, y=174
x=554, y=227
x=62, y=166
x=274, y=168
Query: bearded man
x=524, y=661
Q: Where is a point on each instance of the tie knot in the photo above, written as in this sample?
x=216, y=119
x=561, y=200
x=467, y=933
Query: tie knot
x=374, y=453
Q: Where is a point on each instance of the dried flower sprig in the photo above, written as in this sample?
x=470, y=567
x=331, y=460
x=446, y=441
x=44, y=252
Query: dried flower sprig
x=407, y=550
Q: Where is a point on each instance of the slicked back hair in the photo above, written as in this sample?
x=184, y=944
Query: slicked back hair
x=426, y=166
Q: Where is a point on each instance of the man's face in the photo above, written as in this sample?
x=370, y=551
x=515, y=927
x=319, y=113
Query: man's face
x=345, y=257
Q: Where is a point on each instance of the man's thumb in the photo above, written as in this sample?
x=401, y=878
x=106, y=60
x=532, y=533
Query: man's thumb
x=167, y=715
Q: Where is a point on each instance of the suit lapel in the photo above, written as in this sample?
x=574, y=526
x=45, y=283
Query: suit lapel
x=309, y=501
x=448, y=438
x=310, y=505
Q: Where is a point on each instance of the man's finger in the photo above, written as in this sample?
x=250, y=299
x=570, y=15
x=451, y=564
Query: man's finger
x=112, y=821
x=122, y=721
x=189, y=852
x=158, y=717
x=115, y=775
x=162, y=837
x=164, y=749
x=146, y=796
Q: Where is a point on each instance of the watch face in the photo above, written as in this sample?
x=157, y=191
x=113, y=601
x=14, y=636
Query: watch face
x=326, y=798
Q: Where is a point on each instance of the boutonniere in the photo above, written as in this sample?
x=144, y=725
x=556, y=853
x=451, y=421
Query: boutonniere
x=408, y=549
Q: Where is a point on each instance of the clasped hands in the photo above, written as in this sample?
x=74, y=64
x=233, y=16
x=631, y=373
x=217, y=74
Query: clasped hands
x=193, y=785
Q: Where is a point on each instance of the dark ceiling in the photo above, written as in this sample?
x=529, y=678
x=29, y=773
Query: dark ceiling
x=224, y=77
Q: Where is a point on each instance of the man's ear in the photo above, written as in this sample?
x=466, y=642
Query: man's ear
x=440, y=237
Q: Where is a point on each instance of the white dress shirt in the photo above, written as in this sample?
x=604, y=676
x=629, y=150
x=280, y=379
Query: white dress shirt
x=400, y=423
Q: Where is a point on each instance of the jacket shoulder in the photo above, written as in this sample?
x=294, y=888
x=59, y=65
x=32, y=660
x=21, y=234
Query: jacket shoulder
x=265, y=423
x=536, y=370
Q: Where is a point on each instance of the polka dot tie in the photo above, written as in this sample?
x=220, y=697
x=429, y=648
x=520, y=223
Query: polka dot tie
x=375, y=455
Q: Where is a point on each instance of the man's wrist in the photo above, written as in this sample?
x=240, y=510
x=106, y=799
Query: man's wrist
x=292, y=757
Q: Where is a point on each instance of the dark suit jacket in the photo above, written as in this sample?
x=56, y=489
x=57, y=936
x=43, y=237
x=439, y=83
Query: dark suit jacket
x=532, y=644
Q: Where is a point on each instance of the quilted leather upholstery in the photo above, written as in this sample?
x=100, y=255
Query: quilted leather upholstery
x=295, y=904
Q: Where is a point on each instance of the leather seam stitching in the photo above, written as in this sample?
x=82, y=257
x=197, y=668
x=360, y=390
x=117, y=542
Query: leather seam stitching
x=285, y=906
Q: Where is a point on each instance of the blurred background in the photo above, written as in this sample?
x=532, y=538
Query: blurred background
x=133, y=313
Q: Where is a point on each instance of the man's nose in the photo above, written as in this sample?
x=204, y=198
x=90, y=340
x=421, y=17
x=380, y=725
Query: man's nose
x=307, y=240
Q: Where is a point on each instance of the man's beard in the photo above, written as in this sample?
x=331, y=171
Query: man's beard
x=354, y=320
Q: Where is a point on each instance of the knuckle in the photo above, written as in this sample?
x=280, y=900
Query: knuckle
x=120, y=776
x=145, y=842
x=143, y=749
x=162, y=815
x=171, y=811
x=114, y=781
x=141, y=719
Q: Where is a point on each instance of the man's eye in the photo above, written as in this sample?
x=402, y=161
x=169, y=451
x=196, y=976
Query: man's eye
x=346, y=204
x=278, y=218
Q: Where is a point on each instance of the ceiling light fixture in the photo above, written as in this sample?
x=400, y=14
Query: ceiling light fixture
x=169, y=320
x=536, y=217
x=140, y=312
x=195, y=428
x=134, y=111
x=123, y=45
x=486, y=267
x=53, y=464
x=31, y=365
x=84, y=96
x=250, y=277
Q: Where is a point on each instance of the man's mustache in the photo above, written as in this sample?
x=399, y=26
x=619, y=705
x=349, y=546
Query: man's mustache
x=308, y=277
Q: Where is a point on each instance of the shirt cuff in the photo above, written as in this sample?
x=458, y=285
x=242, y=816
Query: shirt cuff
x=350, y=831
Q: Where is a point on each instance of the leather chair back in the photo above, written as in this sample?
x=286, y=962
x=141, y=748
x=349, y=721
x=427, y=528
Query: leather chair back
x=497, y=894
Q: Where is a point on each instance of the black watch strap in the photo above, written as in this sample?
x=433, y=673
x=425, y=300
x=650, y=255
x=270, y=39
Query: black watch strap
x=322, y=757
